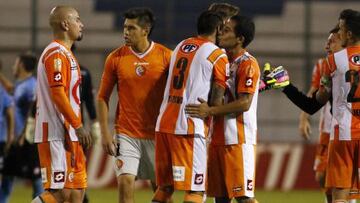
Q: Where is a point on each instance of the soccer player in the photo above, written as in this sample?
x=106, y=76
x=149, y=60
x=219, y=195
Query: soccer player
x=181, y=151
x=138, y=69
x=343, y=163
x=333, y=45
x=23, y=92
x=59, y=131
x=7, y=125
x=231, y=163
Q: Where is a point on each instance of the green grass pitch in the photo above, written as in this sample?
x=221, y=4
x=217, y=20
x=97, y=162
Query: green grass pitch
x=22, y=194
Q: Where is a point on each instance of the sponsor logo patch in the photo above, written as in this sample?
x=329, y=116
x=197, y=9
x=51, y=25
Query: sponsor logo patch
x=188, y=48
x=59, y=177
x=355, y=59
x=249, y=82
x=57, y=77
x=199, y=179
x=178, y=173
x=249, y=185
x=57, y=64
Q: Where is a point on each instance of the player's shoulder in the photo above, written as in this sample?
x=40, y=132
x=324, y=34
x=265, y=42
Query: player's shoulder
x=161, y=47
x=119, y=52
x=248, y=58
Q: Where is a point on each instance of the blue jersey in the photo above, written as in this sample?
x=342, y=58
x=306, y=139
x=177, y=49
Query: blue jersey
x=24, y=95
x=5, y=102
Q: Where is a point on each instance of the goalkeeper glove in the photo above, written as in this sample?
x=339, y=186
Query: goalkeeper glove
x=265, y=81
x=281, y=76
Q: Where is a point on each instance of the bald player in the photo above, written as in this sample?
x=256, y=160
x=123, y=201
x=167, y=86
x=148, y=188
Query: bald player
x=59, y=132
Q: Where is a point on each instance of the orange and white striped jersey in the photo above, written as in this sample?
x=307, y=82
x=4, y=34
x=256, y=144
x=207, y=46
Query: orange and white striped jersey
x=344, y=68
x=325, y=115
x=195, y=63
x=241, y=128
x=140, y=80
x=57, y=67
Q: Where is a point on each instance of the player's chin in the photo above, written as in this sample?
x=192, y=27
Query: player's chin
x=79, y=38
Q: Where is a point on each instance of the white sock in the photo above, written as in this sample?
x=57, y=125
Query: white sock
x=37, y=200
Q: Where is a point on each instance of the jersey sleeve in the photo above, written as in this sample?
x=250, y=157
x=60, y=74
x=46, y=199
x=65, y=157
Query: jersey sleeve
x=108, y=79
x=316, y=74
x=221, y=67
x=57, y=68
x=248, y=76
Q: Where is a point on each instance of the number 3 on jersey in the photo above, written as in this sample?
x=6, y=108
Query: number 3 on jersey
x=352, y=76
x=178, y=80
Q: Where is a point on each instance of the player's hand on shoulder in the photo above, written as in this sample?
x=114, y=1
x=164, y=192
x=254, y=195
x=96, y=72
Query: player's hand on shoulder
x=84, y=137
x=201, y=110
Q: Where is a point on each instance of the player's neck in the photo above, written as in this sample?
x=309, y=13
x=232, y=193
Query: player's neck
x=210, y=38
x=234, y=52
x=141, y=47
x=64, y=40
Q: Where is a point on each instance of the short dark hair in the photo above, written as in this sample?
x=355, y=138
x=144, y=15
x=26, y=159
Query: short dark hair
x=208, y=22
x=226, y=10
x=244, y=27
x=144, y=16
x=352, y=21
x=29, y=60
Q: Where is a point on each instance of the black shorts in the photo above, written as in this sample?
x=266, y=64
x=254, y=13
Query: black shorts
x=22, y=161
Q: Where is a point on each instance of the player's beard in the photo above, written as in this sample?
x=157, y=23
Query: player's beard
x=79, y=37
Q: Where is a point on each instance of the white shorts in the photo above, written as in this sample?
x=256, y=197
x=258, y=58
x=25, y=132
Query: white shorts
x=136, y=157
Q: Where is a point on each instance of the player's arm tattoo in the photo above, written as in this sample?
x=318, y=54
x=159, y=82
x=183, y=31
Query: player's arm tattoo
x=217, y=94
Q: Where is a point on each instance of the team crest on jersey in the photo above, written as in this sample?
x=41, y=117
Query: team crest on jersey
x=140, y=70
x=188, y=48
x=57, y=77
x=355, y=59
x=119, y=163
x=71, y=177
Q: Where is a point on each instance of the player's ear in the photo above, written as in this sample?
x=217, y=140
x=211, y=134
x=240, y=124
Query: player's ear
x=240, y=40
x=146, y=30
x=64, y=25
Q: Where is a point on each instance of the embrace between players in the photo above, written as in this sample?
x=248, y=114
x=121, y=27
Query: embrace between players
x=170, y=106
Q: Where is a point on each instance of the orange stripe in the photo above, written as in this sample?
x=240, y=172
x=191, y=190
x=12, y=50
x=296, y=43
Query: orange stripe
x=215, y=55
x=190, y=124
x=45, y=128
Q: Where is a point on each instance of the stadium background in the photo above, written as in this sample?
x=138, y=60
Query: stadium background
x=291, y=33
